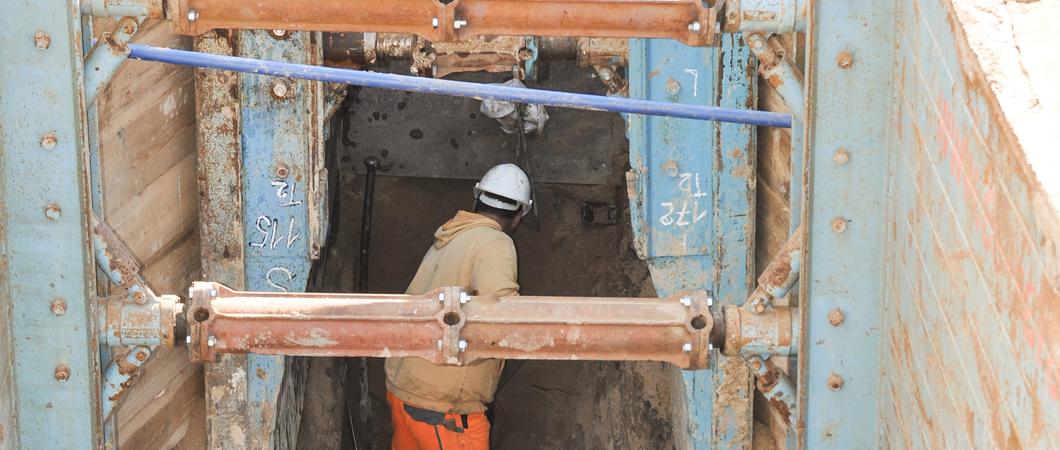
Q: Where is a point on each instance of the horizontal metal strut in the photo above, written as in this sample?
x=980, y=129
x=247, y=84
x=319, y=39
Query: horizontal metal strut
x=688, y=21
x=448, y=326
x=460, y=88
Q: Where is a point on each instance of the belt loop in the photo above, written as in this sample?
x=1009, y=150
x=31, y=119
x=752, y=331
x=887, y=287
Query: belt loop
x=463, y=420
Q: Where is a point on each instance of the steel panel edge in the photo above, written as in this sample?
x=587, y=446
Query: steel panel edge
x=692, y=213
x=50, y=361
x=850, y=53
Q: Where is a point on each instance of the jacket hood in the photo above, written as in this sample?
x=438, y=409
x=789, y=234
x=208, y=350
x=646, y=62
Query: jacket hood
x=460, y=223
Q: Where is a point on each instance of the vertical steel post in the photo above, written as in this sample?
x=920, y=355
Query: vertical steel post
x=849, y=77
x=217, y=109
x=282, y=136
x=691, y=200
x=49, y=375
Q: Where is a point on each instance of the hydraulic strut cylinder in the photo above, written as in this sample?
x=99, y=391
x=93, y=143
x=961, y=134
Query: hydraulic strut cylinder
x=448, y=326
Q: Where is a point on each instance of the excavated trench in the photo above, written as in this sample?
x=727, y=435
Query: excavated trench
x=578, y=242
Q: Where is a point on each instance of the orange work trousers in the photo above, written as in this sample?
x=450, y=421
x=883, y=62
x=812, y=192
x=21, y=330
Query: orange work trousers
x=421, y=429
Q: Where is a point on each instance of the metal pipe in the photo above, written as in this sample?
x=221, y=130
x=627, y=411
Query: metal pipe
x=117, y=375
x=776, y=387
x=460, y=89
x=764, y=334
x=771, y=16
x=448, y=326
x=115, y=259
x=780, y=73
x=151, y=9
x=779, y=276
x=372, y=164
x=689, y=21
x=107, y=56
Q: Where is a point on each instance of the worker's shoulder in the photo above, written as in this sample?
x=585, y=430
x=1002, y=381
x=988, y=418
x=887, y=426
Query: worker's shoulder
x=488, y=235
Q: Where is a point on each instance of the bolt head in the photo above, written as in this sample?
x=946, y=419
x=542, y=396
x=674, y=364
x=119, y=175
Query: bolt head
x=695, y=27
x=462, y=345
x=279, y=89
x=187, y=340
x=458, y=24
x=687, y=347
x=835, y=381
x=710, y=301
x=42, y=40
x=844, y=59
x=758, y=307
x=193, y=15
x=211, y=341
x=836, y=317
x=213, y=292
x=841, y=157
x=49, y=140
x=839, y=224
x=58, y=306
x=439, y=344
x=62, y=373
x=441, y=296
x=141, y=355
x=686, y=301
x=53, y=212
x=434, y=22
x=278, y=33
x=464, y=298
x=282, y=171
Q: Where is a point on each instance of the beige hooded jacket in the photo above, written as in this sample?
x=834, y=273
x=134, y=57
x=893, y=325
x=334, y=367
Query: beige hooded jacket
x=472, y=252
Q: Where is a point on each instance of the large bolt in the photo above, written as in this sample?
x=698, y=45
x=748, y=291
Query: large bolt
x=53, y=212
x=836, y=317
x=48, y=141
x=841, y=157
x=193, y=15
x=835, y=382
x=58, y=306
x=42, y=40
x=839, y=224
x=844, y=59
x=279, y=89
x=62, y=373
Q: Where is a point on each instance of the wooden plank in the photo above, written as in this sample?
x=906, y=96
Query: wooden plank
x=161, y=213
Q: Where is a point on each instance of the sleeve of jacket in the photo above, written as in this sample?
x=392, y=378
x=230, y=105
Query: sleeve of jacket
x=495, y=269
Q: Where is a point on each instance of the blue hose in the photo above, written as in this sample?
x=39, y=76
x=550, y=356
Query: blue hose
x=459, y=88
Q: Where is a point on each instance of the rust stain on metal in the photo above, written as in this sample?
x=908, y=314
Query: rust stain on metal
x=454, y=21
x=675, y=330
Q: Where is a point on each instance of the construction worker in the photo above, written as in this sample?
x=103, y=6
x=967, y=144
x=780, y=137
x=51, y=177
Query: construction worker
x=443, y=407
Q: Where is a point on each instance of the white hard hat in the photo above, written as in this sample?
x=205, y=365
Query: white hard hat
x=509, y=181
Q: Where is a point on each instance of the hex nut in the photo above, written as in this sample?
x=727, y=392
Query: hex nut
x=282, y=171
x=839, y=224
x=193, y=15
x=58, y=306
x=844, y=59
x=42, y=40
x=835, y=381
x=49, y=140
x=841, y=157
x=278, y=34
x=62, y=373
x=279, y=89
x=836, y=317
x=53, y=212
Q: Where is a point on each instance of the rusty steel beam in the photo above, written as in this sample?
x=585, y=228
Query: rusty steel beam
x=688, y=21
x=448, y=326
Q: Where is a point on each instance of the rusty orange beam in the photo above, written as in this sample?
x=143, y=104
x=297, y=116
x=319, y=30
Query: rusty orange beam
x=688, y=21
x=449, y=327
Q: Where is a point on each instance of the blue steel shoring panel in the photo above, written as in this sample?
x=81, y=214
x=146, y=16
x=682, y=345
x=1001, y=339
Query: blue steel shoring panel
x=277, y=143
x=849, y=75
x=50, y=366
x=691, y=206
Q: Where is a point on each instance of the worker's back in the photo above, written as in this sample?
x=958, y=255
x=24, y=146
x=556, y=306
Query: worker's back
x=472, y=252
